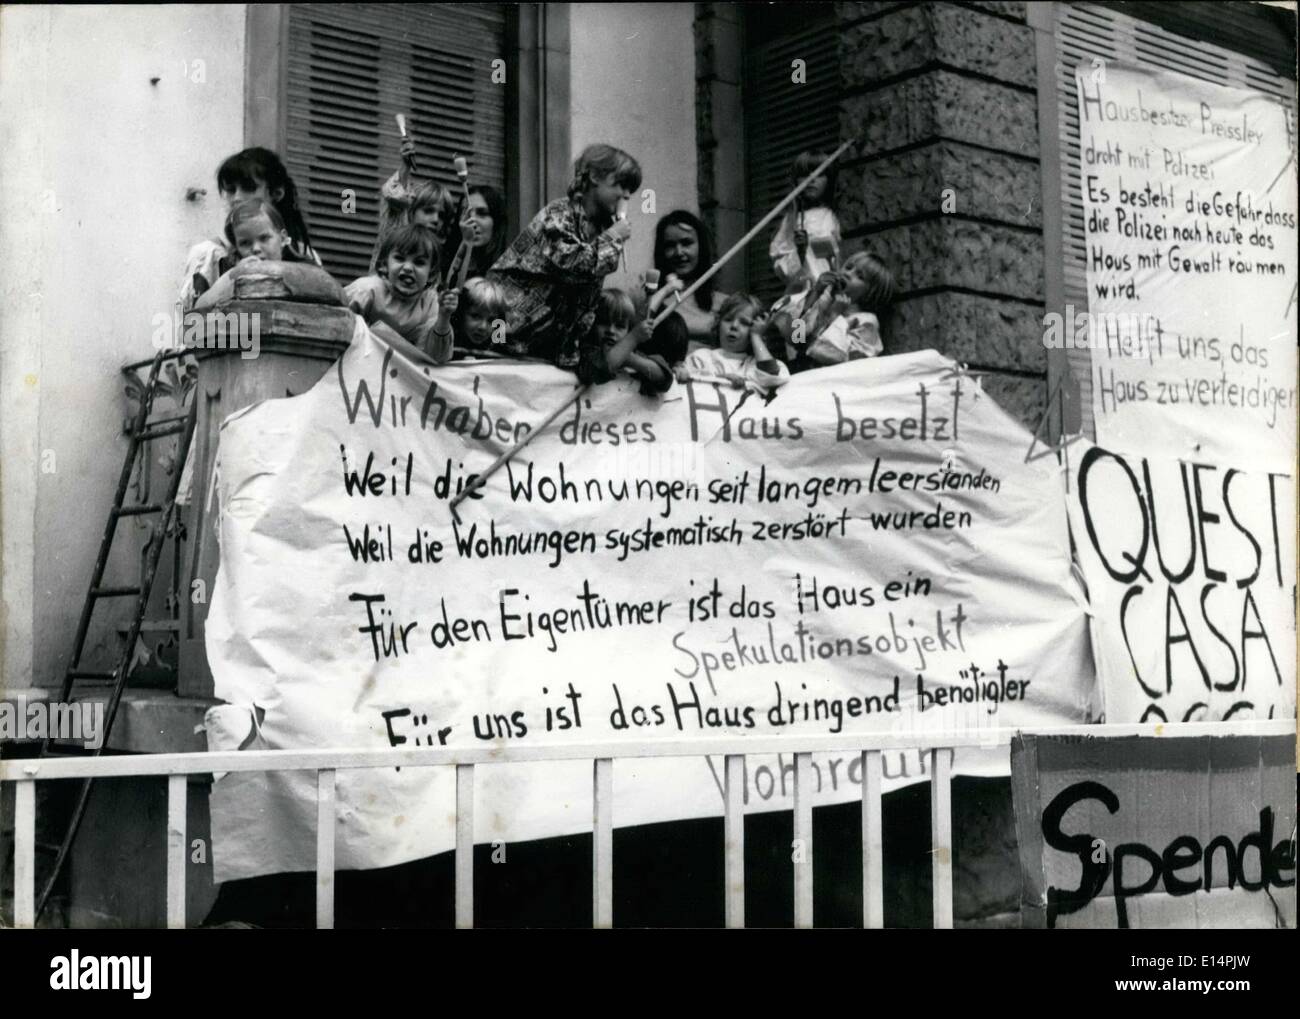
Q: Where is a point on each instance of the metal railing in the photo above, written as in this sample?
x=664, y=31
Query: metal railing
x=939, y=745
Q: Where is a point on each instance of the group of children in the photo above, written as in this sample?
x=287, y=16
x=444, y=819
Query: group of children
x=543, y=295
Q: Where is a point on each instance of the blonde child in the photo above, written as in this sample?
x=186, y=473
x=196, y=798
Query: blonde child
x=741, y=357
x=254, y=232
x=807, y=243
x=552, y=273
x=617, y=335
x=479, y=321
x=252, y=173
x=400, y=296
x=842, y=322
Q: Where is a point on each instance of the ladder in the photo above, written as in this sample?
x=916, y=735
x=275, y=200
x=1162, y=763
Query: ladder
x=142, y=432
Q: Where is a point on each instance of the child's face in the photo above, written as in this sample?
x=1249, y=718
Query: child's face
x=478, y=326
x=733, y=332
x=609, y=333
x=430, y=216
x=855, y=284
x=815, y=191
x=608, y=193
x=408, y=272
x=258, y=236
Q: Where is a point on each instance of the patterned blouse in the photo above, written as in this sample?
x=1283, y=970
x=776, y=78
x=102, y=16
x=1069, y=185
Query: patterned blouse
x=552, y=276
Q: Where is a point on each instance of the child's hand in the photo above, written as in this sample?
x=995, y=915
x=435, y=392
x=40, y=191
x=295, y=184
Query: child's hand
x=827, y=282
x=681, y=373
x=407, y=148
x=620, y=230
x=671, y=287
x=801, y=240
x=448, y=304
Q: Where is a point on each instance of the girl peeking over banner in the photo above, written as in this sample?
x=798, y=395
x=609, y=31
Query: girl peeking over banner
x=401, y=296
x=552, y=274
x=741, y=358
x=620, y=342
x=255, y=232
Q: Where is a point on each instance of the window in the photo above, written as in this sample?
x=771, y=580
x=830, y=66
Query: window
x=350, y=70
x=783, y=118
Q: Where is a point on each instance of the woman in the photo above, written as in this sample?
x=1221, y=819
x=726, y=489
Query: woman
x=684, y=248
x=482, y=219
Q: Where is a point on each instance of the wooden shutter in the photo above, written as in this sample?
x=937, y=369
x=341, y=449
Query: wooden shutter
x=1083, y=32
x=351, y=69
x=783, y=119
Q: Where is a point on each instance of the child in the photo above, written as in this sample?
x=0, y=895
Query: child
x=843, y=320
x=482, y=306
x=400, y=202
x=552, y=273
x=400, y=296
x=252, y=173
x=807, y=243
x=254, y=232
x=741, y=357
x=616, y=334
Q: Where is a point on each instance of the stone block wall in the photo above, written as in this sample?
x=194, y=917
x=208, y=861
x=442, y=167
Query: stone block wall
x=944, y=183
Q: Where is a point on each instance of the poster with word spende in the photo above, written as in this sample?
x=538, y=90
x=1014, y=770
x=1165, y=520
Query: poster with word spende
x=1155, y=833
x=1191, y=571
x=1189, y=199
x=868, y=551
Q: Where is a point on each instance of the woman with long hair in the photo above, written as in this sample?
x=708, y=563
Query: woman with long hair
x=684, y=248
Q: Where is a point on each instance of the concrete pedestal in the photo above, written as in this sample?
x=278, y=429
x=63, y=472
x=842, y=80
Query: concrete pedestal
x=297, y=343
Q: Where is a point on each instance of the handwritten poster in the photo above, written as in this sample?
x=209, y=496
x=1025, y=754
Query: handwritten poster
x=1190, y=569
x=1189, y=195
x=866, y=552
x=1156, y=833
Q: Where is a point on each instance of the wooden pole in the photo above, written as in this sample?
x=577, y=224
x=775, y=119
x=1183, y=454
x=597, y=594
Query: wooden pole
x=495, y=466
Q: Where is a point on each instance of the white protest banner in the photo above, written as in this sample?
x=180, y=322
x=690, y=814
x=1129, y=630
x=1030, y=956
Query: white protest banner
x=1190, y=569
x=1156, y=833
x=868, y=551
x=1189, y=194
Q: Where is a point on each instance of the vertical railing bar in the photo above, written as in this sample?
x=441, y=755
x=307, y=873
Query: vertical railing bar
x=325, y=793
x=602, y=803
x=25, y=854
x=464, y=846
x=177, y=786
x=803, y=842
x=734, y=834
x=941, y=829
x=873, y=856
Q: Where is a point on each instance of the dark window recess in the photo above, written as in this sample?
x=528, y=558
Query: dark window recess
x=783, y=118
x=351, y=70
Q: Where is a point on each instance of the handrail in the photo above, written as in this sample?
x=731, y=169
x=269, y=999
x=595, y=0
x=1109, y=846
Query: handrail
x=205, y=762
x=939, y=745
